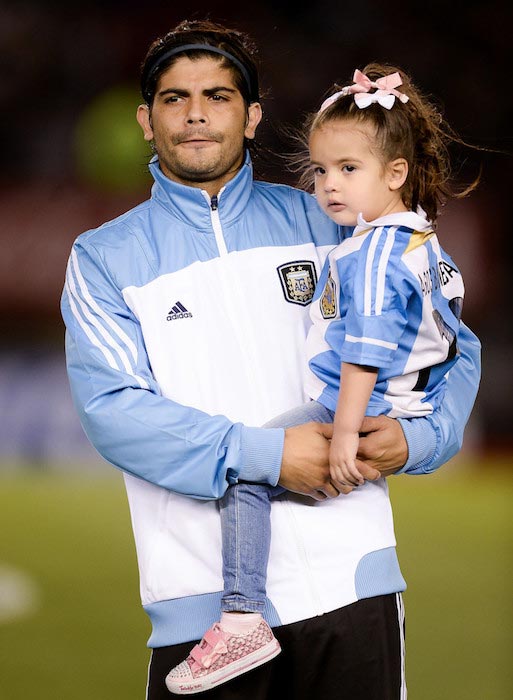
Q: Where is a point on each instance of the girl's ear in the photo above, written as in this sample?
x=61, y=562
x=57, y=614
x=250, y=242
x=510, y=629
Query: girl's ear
x=397, y=172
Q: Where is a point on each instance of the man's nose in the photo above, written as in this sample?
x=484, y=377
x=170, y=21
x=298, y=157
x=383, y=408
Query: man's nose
x=196, y=112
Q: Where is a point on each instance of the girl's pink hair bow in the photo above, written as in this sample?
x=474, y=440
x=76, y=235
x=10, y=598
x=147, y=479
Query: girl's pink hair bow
x=385, y=93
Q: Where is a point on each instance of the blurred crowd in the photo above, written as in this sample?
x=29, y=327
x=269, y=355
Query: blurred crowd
x=72, y=158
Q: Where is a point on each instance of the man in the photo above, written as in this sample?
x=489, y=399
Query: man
x=186, y=319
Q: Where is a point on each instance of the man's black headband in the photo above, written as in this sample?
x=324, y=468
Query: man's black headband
x=252, y=85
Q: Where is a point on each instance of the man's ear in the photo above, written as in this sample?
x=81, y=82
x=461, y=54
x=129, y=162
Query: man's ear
x=397, y=172
x=253, y=120
x=144, y=119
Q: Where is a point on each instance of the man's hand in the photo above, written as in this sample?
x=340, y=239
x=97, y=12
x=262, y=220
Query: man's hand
x=383, y=446
x=305, y=461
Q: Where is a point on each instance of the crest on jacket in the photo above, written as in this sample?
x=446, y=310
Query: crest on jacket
x=298, y=280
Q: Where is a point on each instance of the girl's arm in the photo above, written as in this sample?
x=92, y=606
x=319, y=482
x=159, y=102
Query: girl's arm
x=356, y=385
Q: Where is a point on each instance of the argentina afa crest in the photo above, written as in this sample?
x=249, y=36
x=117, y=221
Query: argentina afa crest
x=298, y=280
x=328, y=300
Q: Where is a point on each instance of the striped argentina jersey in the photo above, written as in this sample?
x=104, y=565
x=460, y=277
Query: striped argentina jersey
x=389, y=297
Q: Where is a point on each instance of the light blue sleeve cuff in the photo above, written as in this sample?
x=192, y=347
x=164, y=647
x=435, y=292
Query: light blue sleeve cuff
x=261, y=454
x=421, y=439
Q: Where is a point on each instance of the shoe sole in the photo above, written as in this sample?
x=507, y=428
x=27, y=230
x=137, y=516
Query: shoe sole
x=236, y=668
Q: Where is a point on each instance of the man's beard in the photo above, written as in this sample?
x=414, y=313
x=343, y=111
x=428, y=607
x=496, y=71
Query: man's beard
x=199, y=167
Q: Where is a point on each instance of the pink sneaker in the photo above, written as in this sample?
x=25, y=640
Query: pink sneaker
x=221, y=656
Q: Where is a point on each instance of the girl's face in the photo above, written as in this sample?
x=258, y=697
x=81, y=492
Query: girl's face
x=350, y=178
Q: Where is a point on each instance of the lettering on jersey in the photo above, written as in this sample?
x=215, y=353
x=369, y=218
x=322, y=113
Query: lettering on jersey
x=298, y=280
x=178, y=311
x=328, y=300
x=436, y=276
x=446, y=272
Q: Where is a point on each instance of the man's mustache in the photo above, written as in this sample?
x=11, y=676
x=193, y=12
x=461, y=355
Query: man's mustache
x=202, y=135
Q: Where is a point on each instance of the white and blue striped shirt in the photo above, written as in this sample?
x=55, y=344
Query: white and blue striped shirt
x=389, y=297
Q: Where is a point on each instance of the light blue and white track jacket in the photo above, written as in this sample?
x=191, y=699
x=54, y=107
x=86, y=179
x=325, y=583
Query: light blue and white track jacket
x=186, y=325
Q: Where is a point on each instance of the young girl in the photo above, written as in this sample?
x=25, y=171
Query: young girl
x=385, y=320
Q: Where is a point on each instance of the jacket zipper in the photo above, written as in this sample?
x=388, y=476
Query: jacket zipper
x=216, y=223
x=230, y=299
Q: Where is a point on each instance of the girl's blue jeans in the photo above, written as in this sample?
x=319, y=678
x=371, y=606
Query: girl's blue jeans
x=246, y=526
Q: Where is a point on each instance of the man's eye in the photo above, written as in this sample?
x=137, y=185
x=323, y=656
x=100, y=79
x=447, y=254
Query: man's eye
x=172, y=98
x=218, y=98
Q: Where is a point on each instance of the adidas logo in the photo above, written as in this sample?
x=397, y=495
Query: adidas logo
x=178, y=311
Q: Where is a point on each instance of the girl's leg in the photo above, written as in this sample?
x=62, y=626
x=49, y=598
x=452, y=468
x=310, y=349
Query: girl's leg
x=246, y=528
x=242, y=640
x=307, y=412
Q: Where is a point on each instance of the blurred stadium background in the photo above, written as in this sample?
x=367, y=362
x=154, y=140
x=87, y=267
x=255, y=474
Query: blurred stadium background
x=71, y=158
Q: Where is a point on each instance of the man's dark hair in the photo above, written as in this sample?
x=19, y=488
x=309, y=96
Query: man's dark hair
x=234, y=50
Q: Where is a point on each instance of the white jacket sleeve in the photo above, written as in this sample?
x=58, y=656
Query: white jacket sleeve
x=122, y=410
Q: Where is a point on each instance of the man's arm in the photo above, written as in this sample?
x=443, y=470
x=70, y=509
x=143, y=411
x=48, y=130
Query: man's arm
x=146, y=434
x=422, y=445
x=122, y=410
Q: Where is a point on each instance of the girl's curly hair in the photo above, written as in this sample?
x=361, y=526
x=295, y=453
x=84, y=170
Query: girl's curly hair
x=415, y=131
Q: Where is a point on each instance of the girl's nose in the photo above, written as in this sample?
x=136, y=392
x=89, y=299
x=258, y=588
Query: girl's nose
x=330, y=183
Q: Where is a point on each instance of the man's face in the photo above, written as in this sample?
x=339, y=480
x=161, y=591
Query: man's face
x=198, y=122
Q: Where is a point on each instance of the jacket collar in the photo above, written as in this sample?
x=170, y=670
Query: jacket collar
x=192, y=205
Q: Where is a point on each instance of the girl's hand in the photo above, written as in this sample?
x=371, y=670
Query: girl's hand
x=343, y=469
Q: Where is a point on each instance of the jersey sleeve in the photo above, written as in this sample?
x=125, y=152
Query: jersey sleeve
x=124, y=414
x=434, y=439
x=376, y=306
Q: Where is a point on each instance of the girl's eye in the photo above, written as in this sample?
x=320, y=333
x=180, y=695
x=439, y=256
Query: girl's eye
x=318, y=170
x=348, y=168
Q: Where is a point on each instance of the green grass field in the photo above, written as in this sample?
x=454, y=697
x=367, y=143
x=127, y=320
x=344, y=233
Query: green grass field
x=85, y=638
